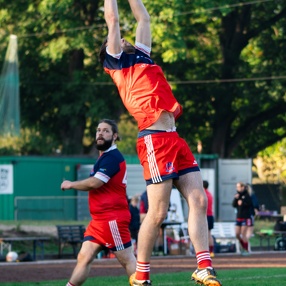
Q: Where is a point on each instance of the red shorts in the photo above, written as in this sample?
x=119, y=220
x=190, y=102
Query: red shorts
x=112, y=234
x=164, y=156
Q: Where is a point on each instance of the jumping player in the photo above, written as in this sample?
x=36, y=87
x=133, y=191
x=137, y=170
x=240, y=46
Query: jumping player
x=165, y=157
x=108, y=206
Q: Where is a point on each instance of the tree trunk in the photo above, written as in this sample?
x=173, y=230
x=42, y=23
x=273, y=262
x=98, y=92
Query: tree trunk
x=232, y=39
x=72, y=134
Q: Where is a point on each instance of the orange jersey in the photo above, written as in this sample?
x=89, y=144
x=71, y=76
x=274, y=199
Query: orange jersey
x=142, y=86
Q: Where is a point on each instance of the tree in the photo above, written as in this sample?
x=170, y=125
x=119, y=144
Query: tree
x=270, y=164
x=241, y=28
x=232, y=117
x=224, y=63
x=60, y=97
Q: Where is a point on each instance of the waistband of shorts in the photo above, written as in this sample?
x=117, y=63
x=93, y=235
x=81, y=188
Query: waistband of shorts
x=146, y=132
x=241, y=219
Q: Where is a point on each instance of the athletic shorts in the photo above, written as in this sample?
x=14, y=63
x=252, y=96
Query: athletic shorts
x=113, y=234
x=164, y=155
x=243, y=222
x=210, y=219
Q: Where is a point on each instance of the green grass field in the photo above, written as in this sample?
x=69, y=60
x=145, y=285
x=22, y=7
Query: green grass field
x=247, y=277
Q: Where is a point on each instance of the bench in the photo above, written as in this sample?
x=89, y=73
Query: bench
x=70, y=235
x=268, y=234
x=225, y=232
x=7, y=242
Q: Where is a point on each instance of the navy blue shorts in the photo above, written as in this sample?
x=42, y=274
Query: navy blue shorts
x=244, y=222
x=210, y=222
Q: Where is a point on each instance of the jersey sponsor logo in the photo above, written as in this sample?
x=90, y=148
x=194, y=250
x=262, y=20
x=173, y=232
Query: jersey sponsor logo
x=170, y=167
x=195, y=162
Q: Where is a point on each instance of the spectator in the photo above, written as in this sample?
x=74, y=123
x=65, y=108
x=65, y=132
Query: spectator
x=210, y=217
x=243, y=204
x=143, y=205
x=135, y=221
x=253, y=212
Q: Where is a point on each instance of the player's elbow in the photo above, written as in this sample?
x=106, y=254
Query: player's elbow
x=144, y=19
x=94, y=183
x=111, y=19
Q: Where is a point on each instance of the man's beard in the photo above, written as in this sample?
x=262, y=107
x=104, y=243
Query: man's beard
x=106, y=145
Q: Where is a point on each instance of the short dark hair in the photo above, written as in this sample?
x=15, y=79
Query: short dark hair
x=102, y=52
x=205, y=184
x=113, y=125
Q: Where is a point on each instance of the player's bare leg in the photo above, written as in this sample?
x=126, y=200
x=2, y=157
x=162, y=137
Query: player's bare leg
x=127, y=259
x=158, y=200
x=191, y=187
x=241, y=235
x=84, y=259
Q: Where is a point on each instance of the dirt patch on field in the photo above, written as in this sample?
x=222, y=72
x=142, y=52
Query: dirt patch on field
x=53, y=269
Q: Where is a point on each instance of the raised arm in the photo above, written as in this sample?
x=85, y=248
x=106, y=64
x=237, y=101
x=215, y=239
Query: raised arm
x=112, y=20
x=143, y=31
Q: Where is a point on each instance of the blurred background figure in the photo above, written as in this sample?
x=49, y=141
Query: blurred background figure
x=143, y=205
x=210, y=217
x=254, y=210
x=135, y=221
x=243, y=204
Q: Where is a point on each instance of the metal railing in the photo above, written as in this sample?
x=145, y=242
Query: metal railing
x=51, y=208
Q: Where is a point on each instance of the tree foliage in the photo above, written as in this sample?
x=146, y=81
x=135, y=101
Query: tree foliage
x=225, y=63
x=270, y=164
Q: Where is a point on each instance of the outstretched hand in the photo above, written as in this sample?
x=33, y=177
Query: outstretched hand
x=66, y=185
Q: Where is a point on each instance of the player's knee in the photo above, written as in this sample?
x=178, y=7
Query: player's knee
x=198, y=201
x=158, y=217
x=84, y=258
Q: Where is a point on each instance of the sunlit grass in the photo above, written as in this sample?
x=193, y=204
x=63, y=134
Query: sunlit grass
x=246, y=277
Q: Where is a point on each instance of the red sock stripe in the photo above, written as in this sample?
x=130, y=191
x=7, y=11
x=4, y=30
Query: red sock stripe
x=204, y=259
x=142, y=271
